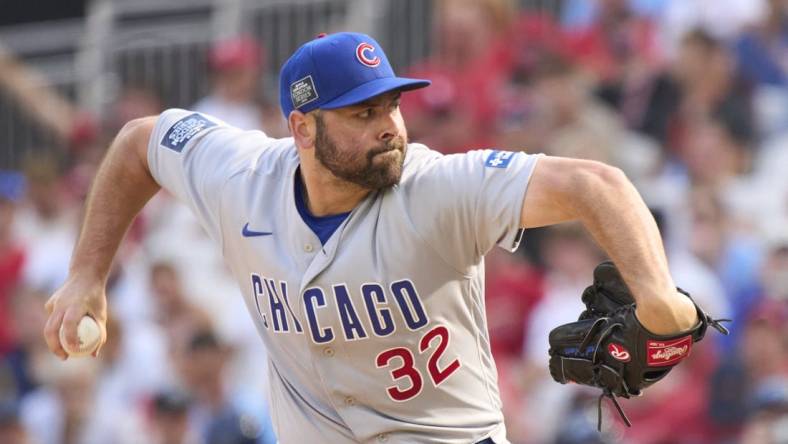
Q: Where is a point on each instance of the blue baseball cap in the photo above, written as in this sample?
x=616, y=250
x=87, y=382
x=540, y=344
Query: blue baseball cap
x=338, y=70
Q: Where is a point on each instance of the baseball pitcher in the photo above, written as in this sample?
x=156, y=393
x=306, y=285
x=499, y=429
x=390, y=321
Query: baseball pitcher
x=360, y=256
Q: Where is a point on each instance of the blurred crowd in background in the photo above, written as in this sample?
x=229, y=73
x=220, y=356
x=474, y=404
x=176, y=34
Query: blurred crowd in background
x=689, y=98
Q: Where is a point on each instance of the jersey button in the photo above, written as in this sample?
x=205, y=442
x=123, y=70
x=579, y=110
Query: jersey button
x=383, y=437
x=349, y=401
x=328, y=351
x=308, y=248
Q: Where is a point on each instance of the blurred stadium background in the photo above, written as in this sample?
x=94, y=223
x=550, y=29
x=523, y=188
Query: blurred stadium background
x=688, y=97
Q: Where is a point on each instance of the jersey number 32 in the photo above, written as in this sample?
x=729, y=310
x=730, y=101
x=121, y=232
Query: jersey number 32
x=407, y=369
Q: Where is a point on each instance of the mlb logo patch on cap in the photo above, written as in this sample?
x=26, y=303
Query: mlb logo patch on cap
x=303, y=91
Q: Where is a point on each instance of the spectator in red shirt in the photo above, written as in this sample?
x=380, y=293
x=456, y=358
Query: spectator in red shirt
x=617, y=43
x=469, y=64
x=621, y=51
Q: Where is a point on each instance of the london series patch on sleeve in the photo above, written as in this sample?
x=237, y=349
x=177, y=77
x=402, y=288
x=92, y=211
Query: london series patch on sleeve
x=499, y=159
x=183, y=130
x=303, y=91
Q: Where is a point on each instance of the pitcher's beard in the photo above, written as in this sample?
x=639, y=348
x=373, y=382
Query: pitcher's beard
x=379, y=168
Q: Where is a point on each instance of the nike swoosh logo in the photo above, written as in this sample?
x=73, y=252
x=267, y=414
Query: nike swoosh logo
x=249, y=233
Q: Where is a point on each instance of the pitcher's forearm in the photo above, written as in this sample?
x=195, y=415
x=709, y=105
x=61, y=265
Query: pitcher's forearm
x=121, y=188
x=606, y=202
x=621, y=223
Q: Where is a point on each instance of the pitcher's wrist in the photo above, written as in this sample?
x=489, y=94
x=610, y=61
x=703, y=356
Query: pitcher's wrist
x=667, y=316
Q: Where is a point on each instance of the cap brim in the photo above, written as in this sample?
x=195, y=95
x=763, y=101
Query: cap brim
x=375, y=88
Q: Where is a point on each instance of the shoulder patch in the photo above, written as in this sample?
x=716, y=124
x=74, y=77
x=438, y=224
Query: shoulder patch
x=183, y=130
x=499, y=159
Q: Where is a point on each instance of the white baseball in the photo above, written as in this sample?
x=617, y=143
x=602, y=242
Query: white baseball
x=89, y=336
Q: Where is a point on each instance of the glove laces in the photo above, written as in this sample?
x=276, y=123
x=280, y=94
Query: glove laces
x=606, y=392
x=717, y=326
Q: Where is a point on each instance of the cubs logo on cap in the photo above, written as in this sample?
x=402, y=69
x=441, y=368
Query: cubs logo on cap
x=362, y=54
x=338, y=70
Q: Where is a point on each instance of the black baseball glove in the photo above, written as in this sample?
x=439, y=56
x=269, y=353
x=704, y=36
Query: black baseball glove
x=608, y=348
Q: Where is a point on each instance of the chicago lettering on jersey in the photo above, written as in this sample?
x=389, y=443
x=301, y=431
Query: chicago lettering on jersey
x=377, y=312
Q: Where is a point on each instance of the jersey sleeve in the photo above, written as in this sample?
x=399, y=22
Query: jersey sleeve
x=192, y=155
x=468, y=203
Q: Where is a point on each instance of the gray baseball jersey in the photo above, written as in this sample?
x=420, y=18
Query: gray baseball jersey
x=380, y=334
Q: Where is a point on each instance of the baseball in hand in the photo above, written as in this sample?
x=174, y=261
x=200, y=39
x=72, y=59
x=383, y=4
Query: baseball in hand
x=89, y=336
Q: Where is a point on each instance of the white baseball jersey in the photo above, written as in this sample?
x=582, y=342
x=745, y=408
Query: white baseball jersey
x=380, y=334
